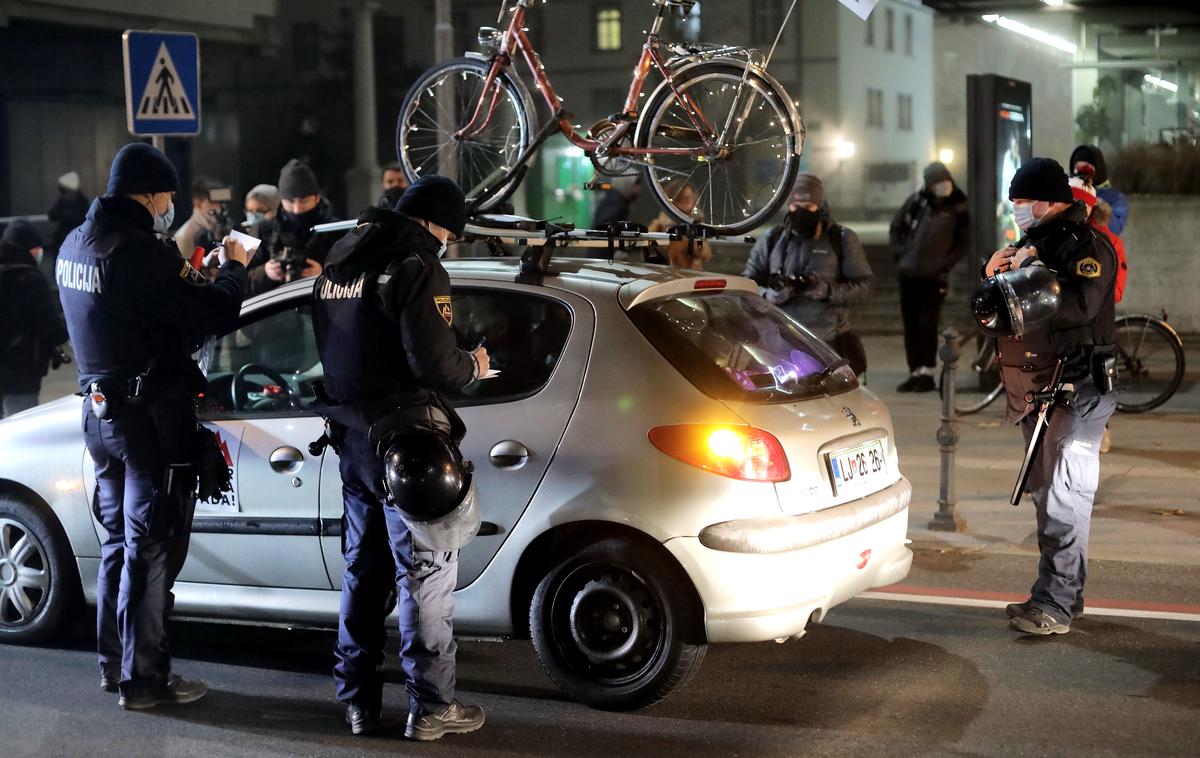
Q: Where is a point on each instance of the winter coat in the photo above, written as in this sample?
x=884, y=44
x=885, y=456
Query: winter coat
x=823, y=309
x=929, y=234
x=291, y=232
x=68, y=212
x=31, y=325
x=1120, y=207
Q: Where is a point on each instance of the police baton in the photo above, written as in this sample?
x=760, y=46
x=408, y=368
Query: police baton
x=1049, y=399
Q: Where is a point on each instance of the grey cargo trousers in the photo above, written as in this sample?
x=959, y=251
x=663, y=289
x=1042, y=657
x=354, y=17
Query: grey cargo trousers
x=1063, y=482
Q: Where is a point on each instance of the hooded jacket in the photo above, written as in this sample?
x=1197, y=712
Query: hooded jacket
x=383, y=317
x=30, y=322
x=929, y=234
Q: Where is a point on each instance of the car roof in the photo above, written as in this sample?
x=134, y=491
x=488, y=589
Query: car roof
x=636, y=282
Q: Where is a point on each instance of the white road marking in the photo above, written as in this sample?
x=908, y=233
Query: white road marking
x=970, y=602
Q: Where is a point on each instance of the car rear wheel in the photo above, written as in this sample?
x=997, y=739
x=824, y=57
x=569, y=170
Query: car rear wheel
x=36, y=576
x=614, y=625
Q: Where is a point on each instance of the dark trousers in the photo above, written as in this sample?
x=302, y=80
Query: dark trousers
x=920, y=307
x=1063, y=482
x=145, y=547
x=380, y=556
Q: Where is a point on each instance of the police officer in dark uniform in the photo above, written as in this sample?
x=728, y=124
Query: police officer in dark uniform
x=382, y=315
x=1080, y=334
x=135, y=311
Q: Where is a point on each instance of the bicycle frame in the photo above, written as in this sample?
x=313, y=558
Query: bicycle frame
x=516, y=41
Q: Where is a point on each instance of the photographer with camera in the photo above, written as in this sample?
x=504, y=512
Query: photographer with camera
x=1062, y=354
x=291, y=250
x=209, y=222
x=814, y=269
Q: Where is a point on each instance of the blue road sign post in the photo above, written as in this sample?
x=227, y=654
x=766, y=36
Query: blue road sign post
x=162, y=83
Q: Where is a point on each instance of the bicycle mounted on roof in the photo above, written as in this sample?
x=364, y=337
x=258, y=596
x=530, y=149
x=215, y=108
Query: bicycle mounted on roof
x=718, y=122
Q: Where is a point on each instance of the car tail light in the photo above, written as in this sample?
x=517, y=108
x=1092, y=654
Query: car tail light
x=740, y=452
x=709, y=284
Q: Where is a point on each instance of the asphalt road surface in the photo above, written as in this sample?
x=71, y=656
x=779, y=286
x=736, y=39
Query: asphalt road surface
x=879, y=677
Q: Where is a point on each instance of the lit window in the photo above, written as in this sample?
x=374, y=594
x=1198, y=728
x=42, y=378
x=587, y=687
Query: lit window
x=608, y=28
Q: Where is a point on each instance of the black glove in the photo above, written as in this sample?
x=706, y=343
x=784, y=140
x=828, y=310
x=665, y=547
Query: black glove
x=213, y=476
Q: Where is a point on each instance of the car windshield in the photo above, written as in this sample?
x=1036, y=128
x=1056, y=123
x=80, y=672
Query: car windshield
x=736, y=346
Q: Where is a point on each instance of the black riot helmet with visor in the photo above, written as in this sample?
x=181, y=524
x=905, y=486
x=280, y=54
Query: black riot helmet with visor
x=1013, y=303
x=428, y=481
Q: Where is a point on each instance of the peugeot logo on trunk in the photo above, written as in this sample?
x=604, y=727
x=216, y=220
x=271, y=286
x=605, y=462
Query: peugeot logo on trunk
x=850, y=415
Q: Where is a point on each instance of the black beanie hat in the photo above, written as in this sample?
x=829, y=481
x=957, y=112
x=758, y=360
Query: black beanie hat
x=1041, y=179
x=297, y=180
x=937, y=172
x=141, y=169
x=1090, y=154
x=22, y=234
x=436, y=199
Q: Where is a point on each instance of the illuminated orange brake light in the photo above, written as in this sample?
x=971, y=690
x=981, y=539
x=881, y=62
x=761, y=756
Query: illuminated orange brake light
x=738, y=452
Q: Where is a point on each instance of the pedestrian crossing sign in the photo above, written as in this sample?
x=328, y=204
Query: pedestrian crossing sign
x=162, y=83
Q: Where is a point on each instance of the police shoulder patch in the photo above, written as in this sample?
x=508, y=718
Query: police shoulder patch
x=1088, y=268
x=191, y=275
x=444, y=308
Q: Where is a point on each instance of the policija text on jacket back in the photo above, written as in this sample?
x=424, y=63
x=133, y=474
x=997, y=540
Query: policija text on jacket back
x=136, y=311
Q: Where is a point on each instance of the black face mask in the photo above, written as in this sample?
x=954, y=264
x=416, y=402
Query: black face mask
x=304, y=220
x=804, y=222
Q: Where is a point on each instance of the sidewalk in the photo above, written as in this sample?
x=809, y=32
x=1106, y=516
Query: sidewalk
x=1147, y=506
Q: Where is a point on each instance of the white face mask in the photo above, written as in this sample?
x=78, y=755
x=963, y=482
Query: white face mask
x=943, y=189
x=442, y=250
x=162, y=224
x=1025, y=217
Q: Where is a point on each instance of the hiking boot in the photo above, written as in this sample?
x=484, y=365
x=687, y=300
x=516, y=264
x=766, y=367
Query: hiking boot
x=176, y=690
x=1037, y=621
x=362, y=720
x=924, y=383
x=109, y=683
x=455, y=718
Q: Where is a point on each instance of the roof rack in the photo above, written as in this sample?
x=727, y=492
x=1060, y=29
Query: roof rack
x=541, y=238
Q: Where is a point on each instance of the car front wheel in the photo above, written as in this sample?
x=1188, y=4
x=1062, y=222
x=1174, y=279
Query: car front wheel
x=36, y=579
x=615, y=625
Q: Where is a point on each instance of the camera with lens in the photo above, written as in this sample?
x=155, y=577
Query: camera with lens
x=795, y=282
x=291, y=262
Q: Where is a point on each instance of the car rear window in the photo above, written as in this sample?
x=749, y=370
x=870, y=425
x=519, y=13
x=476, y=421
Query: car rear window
x=736, y=346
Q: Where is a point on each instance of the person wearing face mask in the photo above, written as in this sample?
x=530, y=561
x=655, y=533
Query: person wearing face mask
x=1065, y=473
x=291, y=250
x=929, y=235
x=136, y=312
x=31, y=326
x=394, y=182
x=383, y=316
x=262, y=202
x=815, y=269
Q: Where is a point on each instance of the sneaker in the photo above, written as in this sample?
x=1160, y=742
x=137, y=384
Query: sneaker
x=1037, y=621
x=109, y=683
x=923, y=383
x=1106, y=441
x=177, y=690
x=1018, y=609
x=362, y=720
x=908, y=384
x=455, y=718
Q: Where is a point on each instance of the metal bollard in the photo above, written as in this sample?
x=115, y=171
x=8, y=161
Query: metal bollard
x=947, y=519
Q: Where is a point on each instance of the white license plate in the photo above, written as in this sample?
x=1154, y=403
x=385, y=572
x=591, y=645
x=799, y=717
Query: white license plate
x=858, y=467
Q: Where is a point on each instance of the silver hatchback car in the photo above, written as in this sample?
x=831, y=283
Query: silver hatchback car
x=664, y=461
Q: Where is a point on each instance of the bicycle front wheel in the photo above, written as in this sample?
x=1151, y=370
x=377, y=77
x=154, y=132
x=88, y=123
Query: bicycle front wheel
x=977, y=381
x=432, y=134
x=1150, y=363
x=749, y=179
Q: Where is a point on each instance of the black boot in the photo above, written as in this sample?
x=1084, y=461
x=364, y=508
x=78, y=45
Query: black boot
x=455, y=718
x=362, y=720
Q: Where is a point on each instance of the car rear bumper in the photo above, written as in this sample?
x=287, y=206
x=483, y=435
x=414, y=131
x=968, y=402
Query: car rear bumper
x=765, y=578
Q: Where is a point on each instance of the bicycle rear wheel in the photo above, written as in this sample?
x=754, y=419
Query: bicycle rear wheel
x=1150, y=363
x=442, y=102
x=977, y=381
x=742, y=187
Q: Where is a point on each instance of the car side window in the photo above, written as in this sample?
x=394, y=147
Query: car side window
x=525, y=335
x=266, y=366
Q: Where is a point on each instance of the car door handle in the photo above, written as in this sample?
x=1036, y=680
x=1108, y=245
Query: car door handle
x=286, y=459
x=508, y=454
